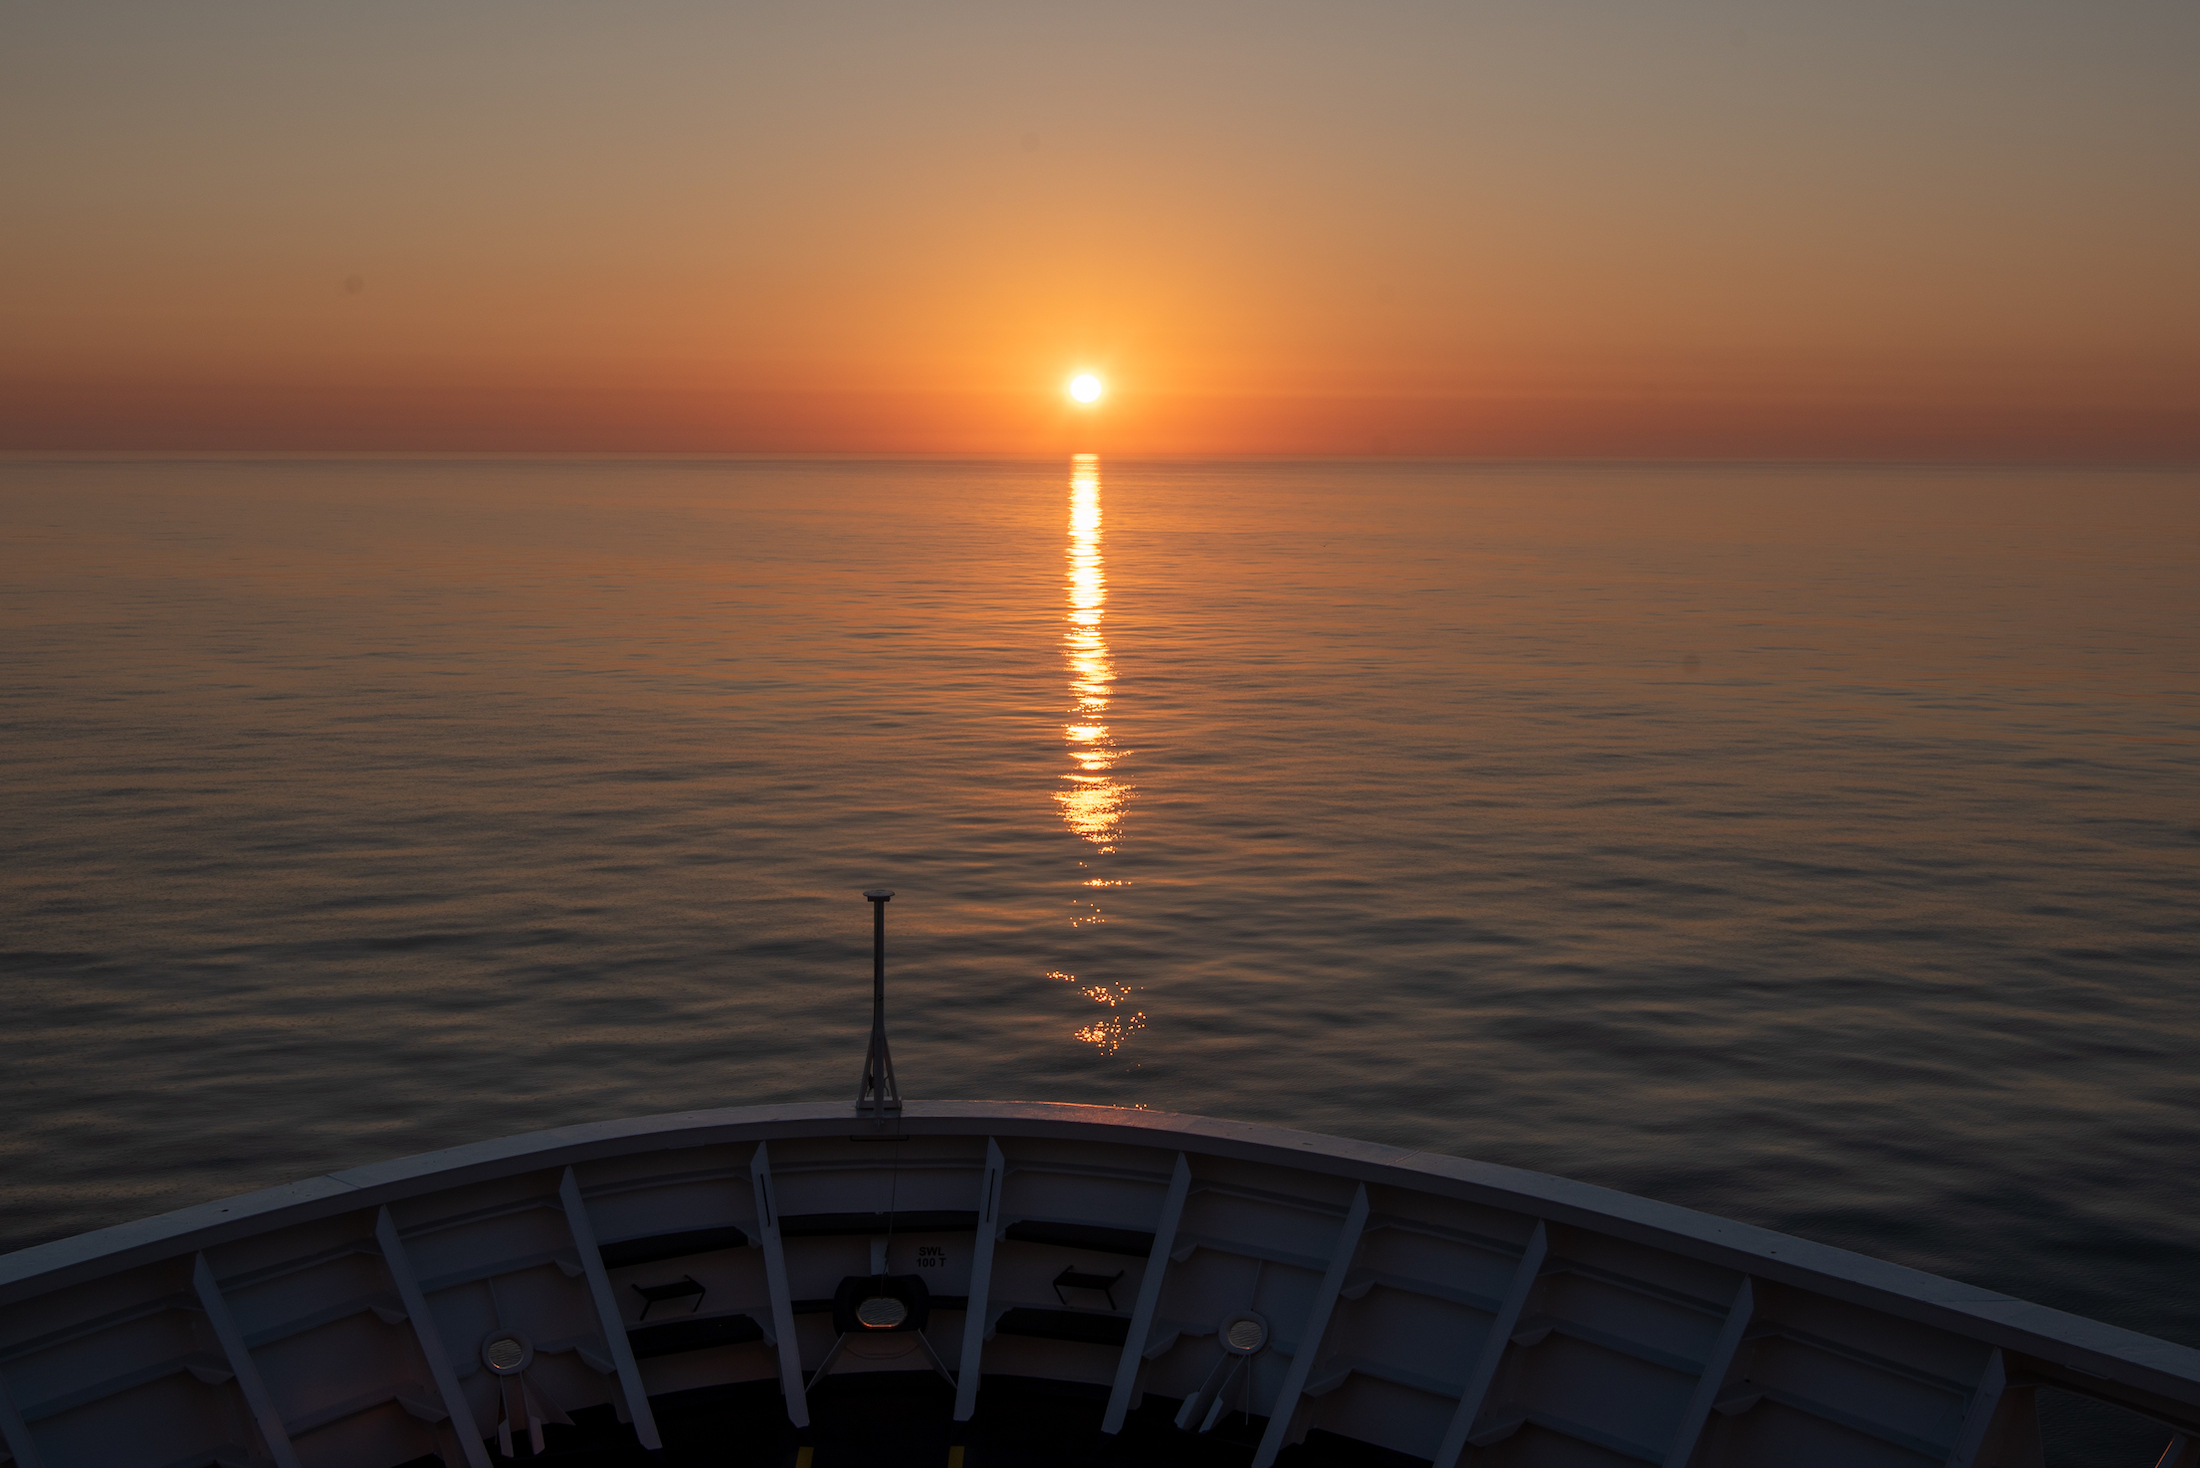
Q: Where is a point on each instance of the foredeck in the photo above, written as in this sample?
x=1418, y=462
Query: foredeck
x=670, y=1282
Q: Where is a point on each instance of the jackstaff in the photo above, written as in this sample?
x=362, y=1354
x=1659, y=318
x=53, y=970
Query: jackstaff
x=878, y=1097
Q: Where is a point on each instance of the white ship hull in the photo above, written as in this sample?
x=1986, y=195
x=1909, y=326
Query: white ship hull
x=1435, y=1308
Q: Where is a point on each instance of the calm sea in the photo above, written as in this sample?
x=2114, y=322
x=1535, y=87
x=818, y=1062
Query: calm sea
x=1814, y=847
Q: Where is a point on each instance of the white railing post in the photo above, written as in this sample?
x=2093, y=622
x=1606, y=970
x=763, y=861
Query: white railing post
x=246, y=1370
x=1493, y=1349
x=431, y=1340
x=1714, y=1376
x=1149, y=1296
x=607, y=1310
x=1309, y=1343
x=970, y=1368
x=775, y=1280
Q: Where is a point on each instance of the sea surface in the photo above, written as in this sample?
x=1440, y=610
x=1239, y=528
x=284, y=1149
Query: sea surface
x=1817, y=847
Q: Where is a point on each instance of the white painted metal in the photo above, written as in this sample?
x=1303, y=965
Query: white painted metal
x=1218, y=1376
x=981, y=1282
x=607, y=1310
x=16, y=1433
x=1493, y=1348
x=775, y=1278
x=1308, y=1348
x=1713, y=1379
x=247, y=1371
x=1136, y=1339
x=1622, y=1326
x=1980, y=1413
x=430, y=1339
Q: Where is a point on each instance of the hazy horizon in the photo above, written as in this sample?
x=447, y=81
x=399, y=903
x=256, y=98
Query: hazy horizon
x=1571, y=231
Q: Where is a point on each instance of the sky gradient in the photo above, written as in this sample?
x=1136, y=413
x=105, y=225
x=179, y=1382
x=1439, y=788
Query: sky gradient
x=1700, y=229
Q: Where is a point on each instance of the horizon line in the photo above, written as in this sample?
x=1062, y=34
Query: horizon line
x=518, y=455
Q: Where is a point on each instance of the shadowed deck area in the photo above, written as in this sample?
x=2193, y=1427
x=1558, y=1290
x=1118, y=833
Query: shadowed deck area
x=903, y=1419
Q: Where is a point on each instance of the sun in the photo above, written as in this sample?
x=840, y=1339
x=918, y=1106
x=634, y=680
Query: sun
x=1086, y=388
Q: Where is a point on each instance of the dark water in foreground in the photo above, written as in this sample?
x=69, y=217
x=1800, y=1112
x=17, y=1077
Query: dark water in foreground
x=1814, y=847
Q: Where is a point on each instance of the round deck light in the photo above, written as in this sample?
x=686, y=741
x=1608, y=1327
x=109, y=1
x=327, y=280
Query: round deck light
x=882, y=1312
x=506, y=1353
x=1244, y=1334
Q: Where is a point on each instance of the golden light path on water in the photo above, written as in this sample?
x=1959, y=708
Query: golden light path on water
x=1092, y=799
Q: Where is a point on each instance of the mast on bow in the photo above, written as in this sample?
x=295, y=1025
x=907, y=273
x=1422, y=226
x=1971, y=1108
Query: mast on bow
x=878, y=1097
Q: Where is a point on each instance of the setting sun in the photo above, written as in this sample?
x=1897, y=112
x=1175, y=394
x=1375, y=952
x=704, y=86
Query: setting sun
x=1086, y=388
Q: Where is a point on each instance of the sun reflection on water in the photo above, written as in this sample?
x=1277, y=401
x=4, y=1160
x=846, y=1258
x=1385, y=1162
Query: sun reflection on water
x=1092, y=799
x=1092, y=802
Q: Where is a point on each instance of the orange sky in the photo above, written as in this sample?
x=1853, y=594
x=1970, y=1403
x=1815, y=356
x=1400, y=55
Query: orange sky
x=1863, y=229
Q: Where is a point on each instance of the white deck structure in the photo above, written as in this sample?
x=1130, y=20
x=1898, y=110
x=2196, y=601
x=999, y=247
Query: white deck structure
x=1445, y=1309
